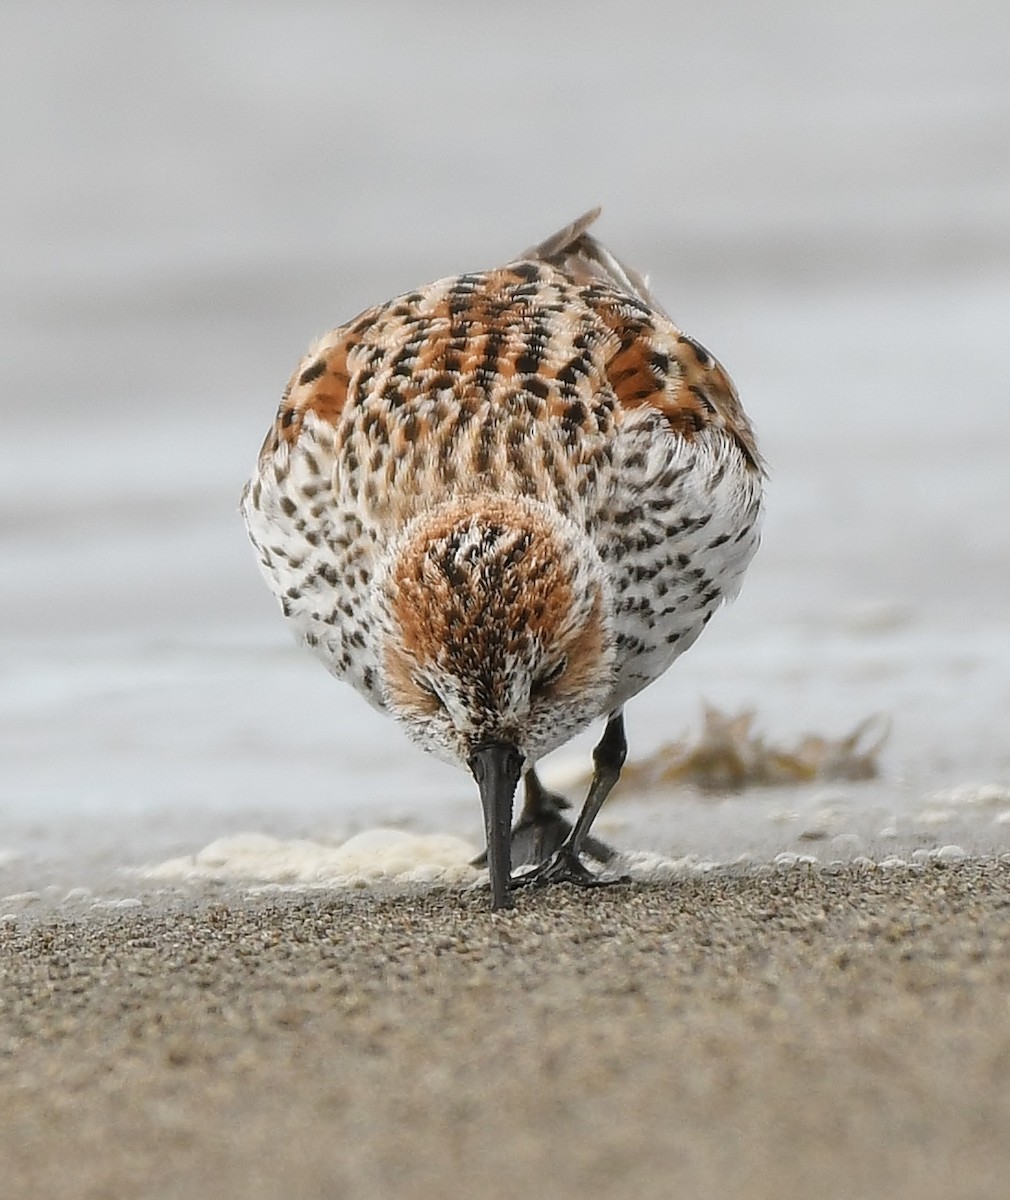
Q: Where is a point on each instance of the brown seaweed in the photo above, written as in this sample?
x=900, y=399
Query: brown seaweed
x=730, y=755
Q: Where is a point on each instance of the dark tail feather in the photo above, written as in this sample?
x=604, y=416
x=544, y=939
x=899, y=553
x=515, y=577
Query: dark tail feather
x=580, y=255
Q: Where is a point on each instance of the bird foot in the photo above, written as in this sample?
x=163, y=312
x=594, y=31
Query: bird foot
x=563, y=867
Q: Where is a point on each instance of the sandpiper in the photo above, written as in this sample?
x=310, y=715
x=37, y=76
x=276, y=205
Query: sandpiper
x=501, y=505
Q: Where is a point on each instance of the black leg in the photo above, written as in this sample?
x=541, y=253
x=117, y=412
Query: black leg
x=608, y=759
x=541, y=829
x=564, y=865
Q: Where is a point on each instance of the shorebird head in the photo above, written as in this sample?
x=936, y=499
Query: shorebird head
x=497, y=629
x=498, y=644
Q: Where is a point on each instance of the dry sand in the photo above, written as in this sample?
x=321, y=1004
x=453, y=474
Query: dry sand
x=788, y=1033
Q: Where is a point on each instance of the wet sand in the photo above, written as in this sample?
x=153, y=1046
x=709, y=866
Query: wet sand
x=799, y=1032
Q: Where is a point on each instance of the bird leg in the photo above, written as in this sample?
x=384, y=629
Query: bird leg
x=564, y=864
x=541, y=829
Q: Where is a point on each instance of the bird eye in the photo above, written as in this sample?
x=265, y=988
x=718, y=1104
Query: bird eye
x=429, y=693
x=541, y=685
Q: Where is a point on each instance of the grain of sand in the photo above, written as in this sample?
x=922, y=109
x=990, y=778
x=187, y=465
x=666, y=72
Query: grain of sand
x=824, y=1033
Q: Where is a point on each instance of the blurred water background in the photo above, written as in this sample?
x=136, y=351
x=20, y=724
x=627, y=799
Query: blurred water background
x=191, y=192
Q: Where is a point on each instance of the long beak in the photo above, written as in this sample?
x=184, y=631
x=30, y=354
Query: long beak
x=497, y=766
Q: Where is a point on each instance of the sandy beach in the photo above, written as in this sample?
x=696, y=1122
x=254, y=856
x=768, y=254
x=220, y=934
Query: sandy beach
x=825, y=1032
